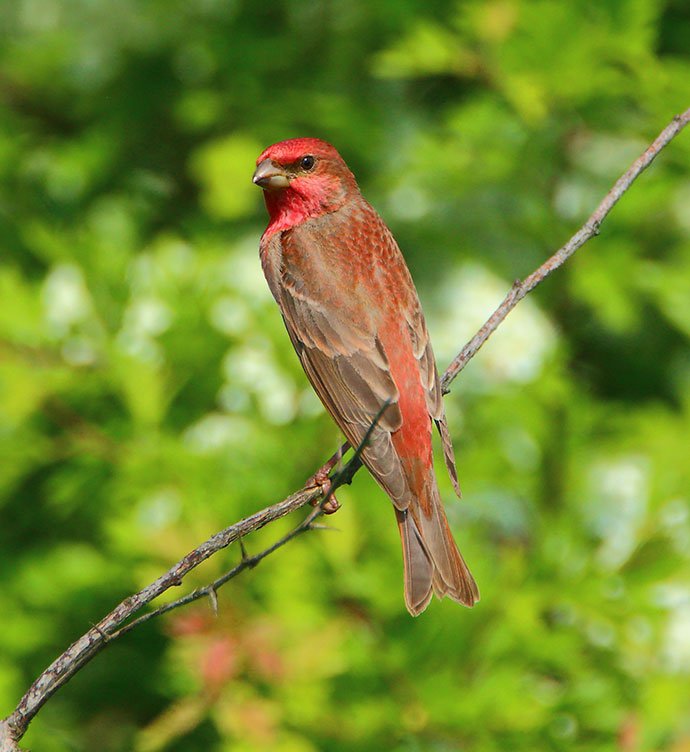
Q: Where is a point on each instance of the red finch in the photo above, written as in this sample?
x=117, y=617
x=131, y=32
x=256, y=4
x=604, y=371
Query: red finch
x=354, y=318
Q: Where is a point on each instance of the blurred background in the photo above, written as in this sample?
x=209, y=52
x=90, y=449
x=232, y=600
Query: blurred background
x=149, y=395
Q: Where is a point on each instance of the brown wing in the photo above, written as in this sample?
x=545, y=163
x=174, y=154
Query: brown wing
x=340, y=353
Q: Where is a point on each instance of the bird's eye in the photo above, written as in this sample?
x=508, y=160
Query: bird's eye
x=307, y=163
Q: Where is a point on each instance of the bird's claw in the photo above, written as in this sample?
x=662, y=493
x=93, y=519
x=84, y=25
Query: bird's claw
x=321, y=481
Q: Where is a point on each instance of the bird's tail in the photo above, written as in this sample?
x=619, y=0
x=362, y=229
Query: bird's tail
x=431, y=559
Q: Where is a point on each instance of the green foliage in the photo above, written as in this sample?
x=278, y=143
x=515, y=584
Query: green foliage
x=149, y=395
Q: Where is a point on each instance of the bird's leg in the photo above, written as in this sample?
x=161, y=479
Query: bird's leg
x=321, y=480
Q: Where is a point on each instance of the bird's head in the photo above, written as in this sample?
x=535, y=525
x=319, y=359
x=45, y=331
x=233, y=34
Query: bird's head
x=302, y=178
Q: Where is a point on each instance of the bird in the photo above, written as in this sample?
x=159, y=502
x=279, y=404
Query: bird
x=353, y=315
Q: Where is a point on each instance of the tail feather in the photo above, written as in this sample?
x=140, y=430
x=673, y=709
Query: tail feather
x=417, y=565
x=431, y=559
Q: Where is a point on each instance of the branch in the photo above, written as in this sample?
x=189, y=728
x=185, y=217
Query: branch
x=119, y=621
x=88, y=645
x=340, y=478
x=116, y=622
x=585, y=233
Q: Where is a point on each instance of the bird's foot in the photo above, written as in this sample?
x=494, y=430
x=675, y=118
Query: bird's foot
x=321, y=480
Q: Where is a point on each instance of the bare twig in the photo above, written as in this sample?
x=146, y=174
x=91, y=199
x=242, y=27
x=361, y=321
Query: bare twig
x=585, y=233
x=210, y=591
x=88, y=645
x=117, y=623
x=340, y=478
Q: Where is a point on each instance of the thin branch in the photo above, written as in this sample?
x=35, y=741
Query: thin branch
x=88, y=645
x=585, y=233
x=111, y=627
x=340, y=478
x=117, y=622
x=210, y=591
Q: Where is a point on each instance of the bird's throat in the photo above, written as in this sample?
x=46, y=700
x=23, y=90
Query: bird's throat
x=303, y=200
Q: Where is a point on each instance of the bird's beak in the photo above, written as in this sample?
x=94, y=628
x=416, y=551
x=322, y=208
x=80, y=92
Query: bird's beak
x=270, y=176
